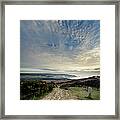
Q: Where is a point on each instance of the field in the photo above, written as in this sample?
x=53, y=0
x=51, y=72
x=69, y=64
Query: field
x=60, y=89
x=82, y=94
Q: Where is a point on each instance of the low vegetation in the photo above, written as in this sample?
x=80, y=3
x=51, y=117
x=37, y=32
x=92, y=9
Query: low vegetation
x=34, y=89
x=82, y=94
x=77, y=89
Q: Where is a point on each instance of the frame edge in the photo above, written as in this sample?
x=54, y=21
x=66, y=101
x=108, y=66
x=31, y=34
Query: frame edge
x=117, y=9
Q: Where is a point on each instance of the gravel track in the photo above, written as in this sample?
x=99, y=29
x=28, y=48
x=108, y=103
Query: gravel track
x=59, y=94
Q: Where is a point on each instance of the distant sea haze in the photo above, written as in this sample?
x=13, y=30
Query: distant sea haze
x=47, y=74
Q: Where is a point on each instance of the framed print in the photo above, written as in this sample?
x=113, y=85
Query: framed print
x=60, y=59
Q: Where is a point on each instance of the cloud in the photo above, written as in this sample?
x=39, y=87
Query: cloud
x=60, y=44
x=89, y=58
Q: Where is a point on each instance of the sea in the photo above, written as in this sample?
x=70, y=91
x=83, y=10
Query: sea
x=47, y=74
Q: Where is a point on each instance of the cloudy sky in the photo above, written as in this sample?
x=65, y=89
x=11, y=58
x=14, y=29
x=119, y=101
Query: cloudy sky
x=60, y=44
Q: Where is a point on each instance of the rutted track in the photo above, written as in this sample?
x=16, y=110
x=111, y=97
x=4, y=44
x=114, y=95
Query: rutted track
x=59, y=94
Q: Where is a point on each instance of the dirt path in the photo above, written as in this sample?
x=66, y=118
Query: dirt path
x=59, y=94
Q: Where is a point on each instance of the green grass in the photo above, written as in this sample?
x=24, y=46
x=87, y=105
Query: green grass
x=82, y=94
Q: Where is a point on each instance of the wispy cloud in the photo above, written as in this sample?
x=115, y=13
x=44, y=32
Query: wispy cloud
x=62, y=44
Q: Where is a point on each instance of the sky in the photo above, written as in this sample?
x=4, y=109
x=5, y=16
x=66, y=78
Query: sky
x=63, y=45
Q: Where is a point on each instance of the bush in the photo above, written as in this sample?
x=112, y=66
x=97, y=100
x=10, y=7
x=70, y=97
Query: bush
x=32, y=89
